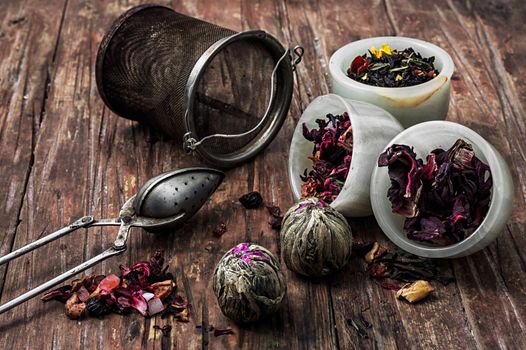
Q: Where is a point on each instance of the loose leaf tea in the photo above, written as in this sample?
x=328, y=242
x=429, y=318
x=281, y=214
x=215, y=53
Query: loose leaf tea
x=248, y=283
x=331, y=157
x=445, y=200
x=391, y=68
x=398, y=265
x=145, y=286
x=316, y=240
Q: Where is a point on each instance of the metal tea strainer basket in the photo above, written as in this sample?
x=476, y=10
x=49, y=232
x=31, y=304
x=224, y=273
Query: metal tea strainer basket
x=224, y=94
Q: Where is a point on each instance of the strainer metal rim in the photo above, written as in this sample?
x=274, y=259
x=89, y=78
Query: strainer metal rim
x=106, y=40
x=279, y=105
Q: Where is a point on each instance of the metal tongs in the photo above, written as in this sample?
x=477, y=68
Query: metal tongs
x=163, y=202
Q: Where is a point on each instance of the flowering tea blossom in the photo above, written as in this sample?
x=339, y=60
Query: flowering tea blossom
x=247, y=253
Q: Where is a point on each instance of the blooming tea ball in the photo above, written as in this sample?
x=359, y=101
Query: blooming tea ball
x=248, y=283
x=316, y=240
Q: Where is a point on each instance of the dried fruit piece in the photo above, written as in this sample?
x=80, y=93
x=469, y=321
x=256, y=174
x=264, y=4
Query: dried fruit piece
x=375, y=252
x=145, y=286
x=251, y=200
x=219, y=230
x=416, y=291
x=75, y=309
x=97, y=307
x=276, y=217
x=163, y=289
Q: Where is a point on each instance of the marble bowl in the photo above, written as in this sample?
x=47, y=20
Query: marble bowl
x=424, y=138
x=372, y=129
x=410, y=105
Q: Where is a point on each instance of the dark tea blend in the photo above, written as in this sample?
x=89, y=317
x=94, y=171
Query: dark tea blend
x=391, y=68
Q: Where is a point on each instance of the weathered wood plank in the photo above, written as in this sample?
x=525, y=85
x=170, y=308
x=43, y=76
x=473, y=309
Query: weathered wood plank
x=65, y=155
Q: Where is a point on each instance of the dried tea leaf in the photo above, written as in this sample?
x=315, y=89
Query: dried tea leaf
x=219, y=332
x=165, y=330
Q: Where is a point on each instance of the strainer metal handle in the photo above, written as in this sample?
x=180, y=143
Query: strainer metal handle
x=190, y=143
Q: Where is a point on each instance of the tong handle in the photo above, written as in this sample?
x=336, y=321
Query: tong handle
x=82, y=222
x=61, y=278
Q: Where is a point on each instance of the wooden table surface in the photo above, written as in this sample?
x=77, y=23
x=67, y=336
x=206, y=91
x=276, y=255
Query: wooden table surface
x=63, y=154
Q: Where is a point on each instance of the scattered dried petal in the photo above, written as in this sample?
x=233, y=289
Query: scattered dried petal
x=390, y=286
x=61, y=294
x=219, y=332
x=416, y=291
x=219, y=230
x=375, y=252
x=155, y=305
x=166, y=329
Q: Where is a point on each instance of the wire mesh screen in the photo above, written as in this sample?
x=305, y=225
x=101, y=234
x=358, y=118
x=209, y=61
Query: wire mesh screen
x=148, y=57
x=233, y=94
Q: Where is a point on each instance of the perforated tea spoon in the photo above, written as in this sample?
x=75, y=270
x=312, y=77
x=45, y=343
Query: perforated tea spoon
x=163, y=202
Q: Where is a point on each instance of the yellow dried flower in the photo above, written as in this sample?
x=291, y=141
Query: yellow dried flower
x=416, y=291
x=375, y=52
x=398, y=77
x=384, y=50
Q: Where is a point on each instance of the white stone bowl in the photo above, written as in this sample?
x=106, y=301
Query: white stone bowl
x=372, y=129
x=410, y=105
x=424, y=138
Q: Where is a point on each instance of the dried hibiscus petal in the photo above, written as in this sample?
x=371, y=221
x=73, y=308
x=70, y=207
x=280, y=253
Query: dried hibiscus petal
x=61, y=294
x=443, y=201
x=405, y=172
x=331, y=157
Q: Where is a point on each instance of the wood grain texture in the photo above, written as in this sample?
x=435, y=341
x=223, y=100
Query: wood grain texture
x=63, y=154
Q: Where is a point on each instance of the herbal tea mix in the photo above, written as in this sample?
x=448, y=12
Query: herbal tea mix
x=444, y=200
x=387, y=67
x=331, y=157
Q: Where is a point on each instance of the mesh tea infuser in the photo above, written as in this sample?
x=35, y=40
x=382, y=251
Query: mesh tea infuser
x=224, y=94
x=163, y=202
